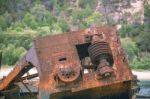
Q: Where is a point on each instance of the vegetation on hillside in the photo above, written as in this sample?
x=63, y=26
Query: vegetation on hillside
x=23, y=20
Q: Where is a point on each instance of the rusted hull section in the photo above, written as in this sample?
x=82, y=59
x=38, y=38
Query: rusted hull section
x=115, y=91
x=89, y=62
x=74, y=48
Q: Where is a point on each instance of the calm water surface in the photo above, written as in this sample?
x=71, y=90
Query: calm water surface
x=145, y=87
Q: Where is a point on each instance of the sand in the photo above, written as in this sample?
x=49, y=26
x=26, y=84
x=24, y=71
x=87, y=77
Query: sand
x=142, y=74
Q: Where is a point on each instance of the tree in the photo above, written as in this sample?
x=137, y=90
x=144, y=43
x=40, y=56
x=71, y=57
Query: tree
x=3, y=23
x=130, y=48
x=30, y=21
x=11, y=54
x=143, y=41
x=39, y=12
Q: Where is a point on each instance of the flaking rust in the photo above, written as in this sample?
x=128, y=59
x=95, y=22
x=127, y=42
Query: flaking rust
x=86, y=64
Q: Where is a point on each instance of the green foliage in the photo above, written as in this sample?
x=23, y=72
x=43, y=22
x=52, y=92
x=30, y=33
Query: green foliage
x=132, y=52
x=90, y=3
x=3, y=23
x=130, y=48
x=3, y=6
x=5, y=20
x=143, y=41
x=138, y=35
x=93, y=19
x=39, y=12
x=147, y=10
x=30, y=21
x=85, y=17
x=141, y=64
x=43, y=31
x=23, y=20
x=131, y=30
x=11, y=54
x=56, y=28
x=139, y=42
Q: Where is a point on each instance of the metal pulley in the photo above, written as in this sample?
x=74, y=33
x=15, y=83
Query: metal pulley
x=100, y=50
x=101, y=56
x=68, y=73
x=104, y=70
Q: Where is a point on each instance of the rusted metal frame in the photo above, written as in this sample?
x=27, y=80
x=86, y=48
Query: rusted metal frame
x=39, y=43
x=15, y=76
x=27, y=77
x=8, y=80
x=30, y=76
x=24, y=65
x=26, y=86
x=42, y=57
x=22, y=72
x=31, y=94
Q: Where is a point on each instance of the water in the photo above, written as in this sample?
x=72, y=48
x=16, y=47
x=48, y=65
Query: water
x=144, y=87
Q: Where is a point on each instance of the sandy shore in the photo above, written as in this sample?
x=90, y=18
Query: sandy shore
x=5, y=71
x=142, y=75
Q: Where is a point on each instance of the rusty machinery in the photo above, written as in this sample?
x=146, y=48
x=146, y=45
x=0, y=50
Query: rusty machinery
x=86, y=64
